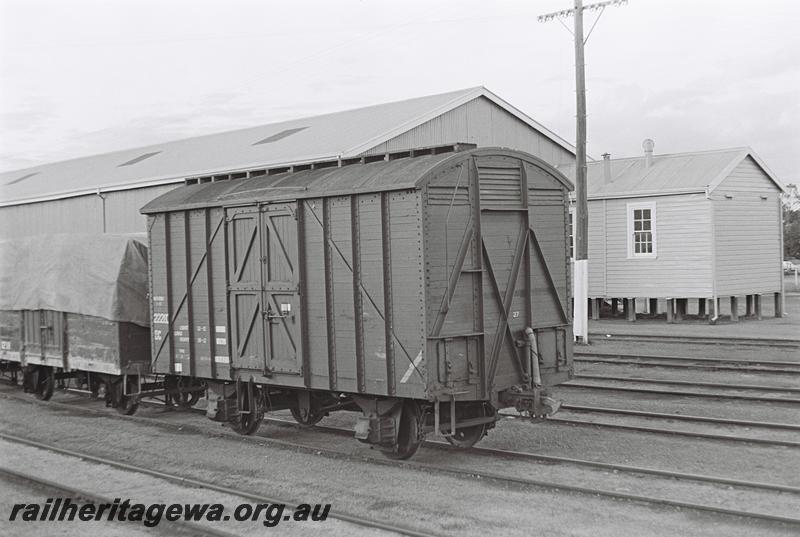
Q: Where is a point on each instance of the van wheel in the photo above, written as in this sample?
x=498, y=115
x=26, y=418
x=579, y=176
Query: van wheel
x=466, y=437
x=409, y=435
x=250, y=410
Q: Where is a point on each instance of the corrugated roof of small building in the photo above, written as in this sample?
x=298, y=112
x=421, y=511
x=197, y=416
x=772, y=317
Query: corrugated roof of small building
x=676, y=173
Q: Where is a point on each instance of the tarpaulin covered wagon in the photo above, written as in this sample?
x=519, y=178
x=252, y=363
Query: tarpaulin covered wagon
x=75, y=306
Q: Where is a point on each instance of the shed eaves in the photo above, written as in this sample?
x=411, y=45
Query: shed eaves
x=344, y=134
x=676, y=173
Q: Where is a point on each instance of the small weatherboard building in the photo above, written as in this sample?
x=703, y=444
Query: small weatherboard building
x=666, y=229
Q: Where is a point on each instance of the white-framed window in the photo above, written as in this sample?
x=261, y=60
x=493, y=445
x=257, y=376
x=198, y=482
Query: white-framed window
x=642, y=240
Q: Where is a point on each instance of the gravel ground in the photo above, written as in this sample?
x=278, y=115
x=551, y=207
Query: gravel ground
x=109, y=482
x=748, y=462
x=13, y=492
x=441, y=503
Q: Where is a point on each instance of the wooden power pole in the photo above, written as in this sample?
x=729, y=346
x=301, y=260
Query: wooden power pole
x=580, y=226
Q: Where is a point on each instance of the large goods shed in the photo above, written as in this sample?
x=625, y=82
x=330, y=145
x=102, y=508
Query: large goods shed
x=103, y=193
x=665, y=229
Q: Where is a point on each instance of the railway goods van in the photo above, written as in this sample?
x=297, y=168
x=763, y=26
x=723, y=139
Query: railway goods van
x=426, y=291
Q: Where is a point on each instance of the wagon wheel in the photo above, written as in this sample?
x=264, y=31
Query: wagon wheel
x=306, y=417
x=409, y=436
x=251, y=411
x=125, y=404
x=43, y=382
x=466, y=437
x=185, y=399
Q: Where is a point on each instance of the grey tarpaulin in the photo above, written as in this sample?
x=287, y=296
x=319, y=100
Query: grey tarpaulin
x=103, y=275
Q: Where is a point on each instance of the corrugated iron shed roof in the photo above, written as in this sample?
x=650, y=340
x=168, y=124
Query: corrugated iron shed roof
x=343, y=135
x=677, y=173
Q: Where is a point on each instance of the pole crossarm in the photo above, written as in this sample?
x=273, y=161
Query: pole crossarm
x=564, y=13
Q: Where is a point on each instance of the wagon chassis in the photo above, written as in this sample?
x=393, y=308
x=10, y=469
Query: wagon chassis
x=122, y=392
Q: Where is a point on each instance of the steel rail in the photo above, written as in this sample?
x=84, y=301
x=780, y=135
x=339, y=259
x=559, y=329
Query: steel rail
x=187, y=527
x=689, y=366
x=675, y=432
x=482, y=475
x=699, y=340
x=624, y=356
x=680, y=417
x=739, y=397
x=188, y=481
x=721, y=385
x=524, y=455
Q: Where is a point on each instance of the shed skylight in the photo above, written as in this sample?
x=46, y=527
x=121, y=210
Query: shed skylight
x=280, y=135
x=139, y=158
x=15, y=181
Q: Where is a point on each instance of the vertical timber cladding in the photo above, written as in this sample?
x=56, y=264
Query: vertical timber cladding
x=506, y=258
x=32, y=334
x=280, y=277
x=364, y=293
x=244, y=290
x=205, y=299
x=161, y=341
x=188, y=293
x=264, y=279
x=495, y=264
x=44, y=337
x=453, y=269
x=548, y=211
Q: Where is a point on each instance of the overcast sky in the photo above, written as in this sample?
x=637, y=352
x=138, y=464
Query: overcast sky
x=84, y=77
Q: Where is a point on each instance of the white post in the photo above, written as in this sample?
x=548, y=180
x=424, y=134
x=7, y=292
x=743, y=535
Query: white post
x=580, y=323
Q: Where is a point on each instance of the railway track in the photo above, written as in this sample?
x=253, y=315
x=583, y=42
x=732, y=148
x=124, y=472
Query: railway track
x=476, y=474
x=184, y=527
x=683, y=362
x=675, y=392
x=524, y=455
x=622, y=412
x=726, y=341
x=191, y=482
x=692, y=383
x=676, y=432
x=680, y=417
